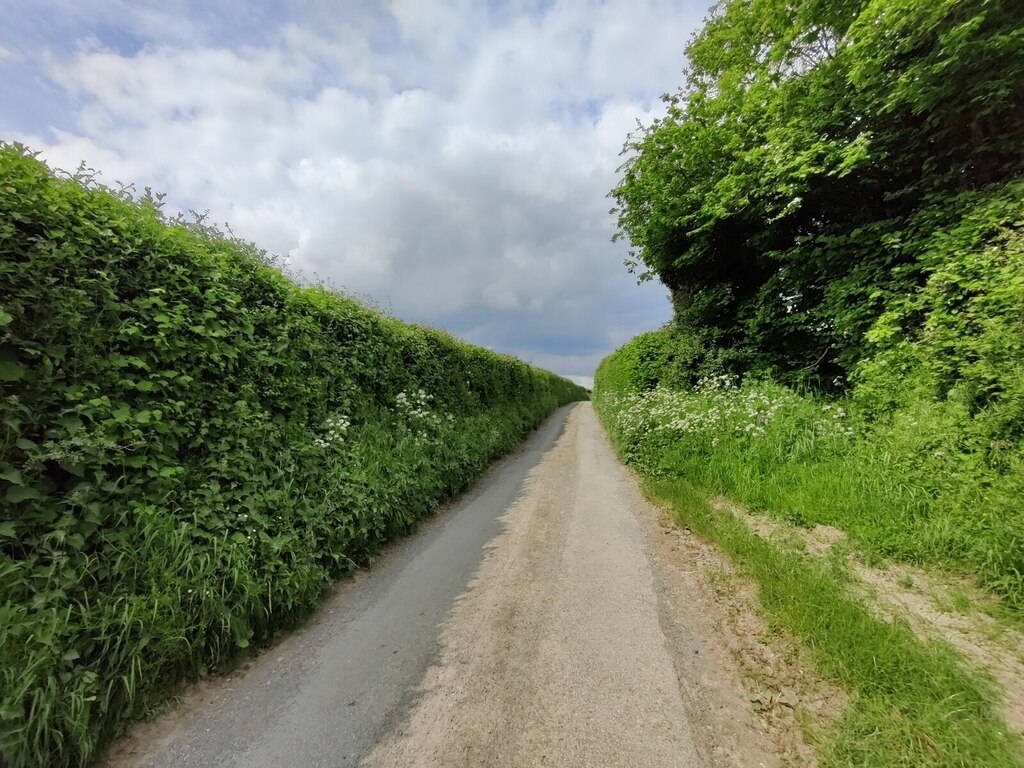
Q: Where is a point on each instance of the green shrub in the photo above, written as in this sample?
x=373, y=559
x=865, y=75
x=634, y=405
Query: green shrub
x=193, y=447
x=789, y=194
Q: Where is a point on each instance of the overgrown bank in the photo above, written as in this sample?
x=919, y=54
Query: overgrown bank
x=909, y=485
x=194, y=447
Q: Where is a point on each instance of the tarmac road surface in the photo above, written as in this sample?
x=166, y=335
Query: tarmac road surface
x=519, y=627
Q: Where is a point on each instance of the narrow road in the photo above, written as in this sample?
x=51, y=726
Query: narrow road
x=524, y=626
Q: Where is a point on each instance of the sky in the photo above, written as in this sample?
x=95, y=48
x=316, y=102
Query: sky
x=444, y=160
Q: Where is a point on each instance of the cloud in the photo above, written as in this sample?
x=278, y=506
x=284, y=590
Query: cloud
x=450, y=160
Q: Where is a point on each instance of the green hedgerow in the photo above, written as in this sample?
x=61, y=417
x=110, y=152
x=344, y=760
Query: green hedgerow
x=192, y=447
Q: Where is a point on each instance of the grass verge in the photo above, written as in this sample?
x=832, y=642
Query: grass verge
x=911, y=485
x=912, y=703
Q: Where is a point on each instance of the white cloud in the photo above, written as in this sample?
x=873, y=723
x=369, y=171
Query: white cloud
x=450, y=161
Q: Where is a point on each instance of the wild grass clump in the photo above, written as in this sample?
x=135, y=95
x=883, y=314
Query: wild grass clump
x=193, y=447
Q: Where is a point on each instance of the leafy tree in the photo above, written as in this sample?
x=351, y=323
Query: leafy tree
x=780, y=199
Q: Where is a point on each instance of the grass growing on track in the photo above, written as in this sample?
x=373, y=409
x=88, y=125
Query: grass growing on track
x=912, y=703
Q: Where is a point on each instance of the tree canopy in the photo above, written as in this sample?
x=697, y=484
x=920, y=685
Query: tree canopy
x=818, y=170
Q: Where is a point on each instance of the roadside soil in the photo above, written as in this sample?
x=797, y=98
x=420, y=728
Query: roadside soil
x=595, y=632
x=936, y=606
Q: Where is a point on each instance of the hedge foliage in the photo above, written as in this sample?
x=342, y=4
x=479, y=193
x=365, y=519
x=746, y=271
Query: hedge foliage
x=194, y=446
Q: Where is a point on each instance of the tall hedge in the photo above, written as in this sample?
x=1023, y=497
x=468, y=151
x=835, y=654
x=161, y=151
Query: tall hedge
x=192, y=447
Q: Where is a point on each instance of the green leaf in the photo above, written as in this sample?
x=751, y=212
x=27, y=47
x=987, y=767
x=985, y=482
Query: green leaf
x=71, y=422
x=5, y=318
x=11, y=371
x=8, y=530
x=17, y=493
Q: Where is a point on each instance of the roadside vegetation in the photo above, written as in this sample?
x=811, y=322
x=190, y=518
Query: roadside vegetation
x=914, y=702
x=835, y=200
x=901, y=487
x=194, y=447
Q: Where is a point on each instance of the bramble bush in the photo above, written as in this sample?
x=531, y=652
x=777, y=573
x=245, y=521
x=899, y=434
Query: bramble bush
x=194, y=447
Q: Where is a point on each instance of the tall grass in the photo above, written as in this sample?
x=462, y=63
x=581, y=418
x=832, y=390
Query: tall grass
x=906, y=486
